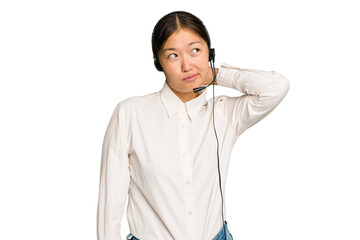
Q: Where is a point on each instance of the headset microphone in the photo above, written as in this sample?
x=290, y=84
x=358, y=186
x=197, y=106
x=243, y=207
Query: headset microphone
x=201, y=88
x=211, y=60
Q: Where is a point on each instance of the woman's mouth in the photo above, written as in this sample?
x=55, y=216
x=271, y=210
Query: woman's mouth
x=190, y=78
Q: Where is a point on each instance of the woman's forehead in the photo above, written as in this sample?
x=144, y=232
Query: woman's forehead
x=183, y=37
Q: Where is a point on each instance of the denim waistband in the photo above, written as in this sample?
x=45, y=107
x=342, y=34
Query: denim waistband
x=219, y=236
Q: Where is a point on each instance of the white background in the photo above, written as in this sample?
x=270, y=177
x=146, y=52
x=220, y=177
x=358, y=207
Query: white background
x=64, y=65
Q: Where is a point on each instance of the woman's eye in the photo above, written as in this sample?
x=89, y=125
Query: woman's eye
x=195, y=50
x=173, y=55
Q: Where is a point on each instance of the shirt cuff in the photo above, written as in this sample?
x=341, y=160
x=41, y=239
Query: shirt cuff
x=226, y=75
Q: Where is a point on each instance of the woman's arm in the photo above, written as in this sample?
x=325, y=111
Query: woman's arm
x=114, y=179
x=261, y=92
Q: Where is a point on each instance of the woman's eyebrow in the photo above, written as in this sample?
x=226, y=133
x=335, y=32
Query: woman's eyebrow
x=169, y=49
x=173, y=49
x=195, y=43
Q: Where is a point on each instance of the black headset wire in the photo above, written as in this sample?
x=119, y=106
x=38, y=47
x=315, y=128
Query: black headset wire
x=212, y=65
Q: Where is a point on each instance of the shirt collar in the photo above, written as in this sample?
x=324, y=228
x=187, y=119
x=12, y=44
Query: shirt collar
x=173, y=104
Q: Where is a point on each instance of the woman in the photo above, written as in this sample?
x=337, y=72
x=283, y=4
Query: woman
x=160, y=149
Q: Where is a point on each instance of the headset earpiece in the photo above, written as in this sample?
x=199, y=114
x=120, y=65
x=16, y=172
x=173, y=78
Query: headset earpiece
x=157, y=65
x=211, y=54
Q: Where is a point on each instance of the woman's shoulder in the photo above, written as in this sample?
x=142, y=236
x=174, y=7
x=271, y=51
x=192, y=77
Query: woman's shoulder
x=139, y=102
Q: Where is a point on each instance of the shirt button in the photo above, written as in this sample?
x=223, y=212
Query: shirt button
x=189, y=212
x=188, y=182
x=182, y=125
x=184, y=154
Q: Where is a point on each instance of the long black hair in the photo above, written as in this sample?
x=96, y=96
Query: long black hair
x=168, y=24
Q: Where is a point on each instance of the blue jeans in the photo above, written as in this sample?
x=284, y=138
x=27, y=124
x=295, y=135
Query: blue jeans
x=219, y=236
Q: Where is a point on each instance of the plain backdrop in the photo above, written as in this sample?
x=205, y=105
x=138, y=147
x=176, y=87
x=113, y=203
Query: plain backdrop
x=64, y=65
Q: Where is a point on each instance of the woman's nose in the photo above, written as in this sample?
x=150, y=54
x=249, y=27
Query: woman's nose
x=186, y=64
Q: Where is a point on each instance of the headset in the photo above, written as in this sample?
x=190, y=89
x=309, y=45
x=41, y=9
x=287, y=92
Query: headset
x=212, y=65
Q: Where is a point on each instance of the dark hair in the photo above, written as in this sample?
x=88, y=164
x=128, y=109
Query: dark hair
x=169, y=23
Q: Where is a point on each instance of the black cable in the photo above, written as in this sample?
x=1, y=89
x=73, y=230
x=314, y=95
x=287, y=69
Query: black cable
x=217, y=141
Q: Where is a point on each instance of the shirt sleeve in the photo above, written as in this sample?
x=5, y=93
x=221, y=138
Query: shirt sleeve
x=261, y=92
x=114, y=179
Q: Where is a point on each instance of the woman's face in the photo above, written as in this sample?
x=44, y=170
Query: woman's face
x=185, y=62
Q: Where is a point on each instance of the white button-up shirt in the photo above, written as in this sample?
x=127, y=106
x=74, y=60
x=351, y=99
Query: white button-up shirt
x=162, y=154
